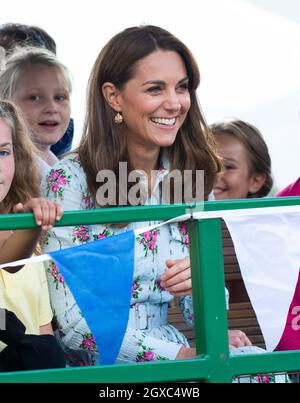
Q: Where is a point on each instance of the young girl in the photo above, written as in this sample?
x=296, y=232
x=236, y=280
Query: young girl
x=246, y=161
x=248, y=174
x=19, y=35
x=40, y=86
x=23, y=292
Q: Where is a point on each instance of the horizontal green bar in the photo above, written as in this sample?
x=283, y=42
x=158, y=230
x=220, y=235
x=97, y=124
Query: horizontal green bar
x=279, y=361
x=161, y=371
x=251, y=203
x=140, y=213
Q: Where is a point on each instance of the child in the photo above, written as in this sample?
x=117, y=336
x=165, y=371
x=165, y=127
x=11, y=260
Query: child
x=248, y=174
x=246, y=161
x=20, y=35
x=23, y=292
x=40, y=86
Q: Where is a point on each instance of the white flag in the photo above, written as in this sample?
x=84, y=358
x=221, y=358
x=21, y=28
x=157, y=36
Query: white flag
x=268, y=252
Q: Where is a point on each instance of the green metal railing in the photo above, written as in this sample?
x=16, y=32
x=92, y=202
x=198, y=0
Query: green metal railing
x=213, y=362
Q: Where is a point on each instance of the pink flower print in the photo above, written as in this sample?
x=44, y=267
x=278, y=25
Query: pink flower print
x=57, y=180
x=152, y=245
x=183, y=228
x=61, y=279
x=88, y=342
x=183, y=231
x=54, y=187
x=149, y=241
x=155, y=234
x=62, y=181
x=80, y=234
x=53, y=175
x=104, y=234
x=146, y=356
x=186, y=240
x=158, y=286
x=57, y=276
x=147, y=235
x=88, y=202
x=149, y=356
x=136, y=288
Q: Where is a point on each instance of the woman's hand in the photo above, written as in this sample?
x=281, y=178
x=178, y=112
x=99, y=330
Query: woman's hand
x=45, y=211
x=237, y=338
x=177, y=279
x=185, y=353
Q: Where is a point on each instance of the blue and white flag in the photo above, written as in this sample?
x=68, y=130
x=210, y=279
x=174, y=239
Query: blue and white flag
x=267, y=245
x=100, y=276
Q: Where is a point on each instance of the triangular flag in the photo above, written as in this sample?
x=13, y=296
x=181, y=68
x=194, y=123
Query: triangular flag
x=100, y=277
x=268, y=251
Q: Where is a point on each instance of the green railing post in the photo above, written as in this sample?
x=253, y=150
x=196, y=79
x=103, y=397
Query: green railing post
x=209, y=297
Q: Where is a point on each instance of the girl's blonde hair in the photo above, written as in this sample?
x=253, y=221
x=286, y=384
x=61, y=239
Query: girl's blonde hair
x=25, y=184
x=22, y=59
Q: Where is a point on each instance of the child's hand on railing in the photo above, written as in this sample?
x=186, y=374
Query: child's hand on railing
x=237, y=338
x=45, y=211
x=177, y=279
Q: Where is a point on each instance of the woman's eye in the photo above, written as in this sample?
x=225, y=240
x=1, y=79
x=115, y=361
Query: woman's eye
x=184, y=86
x=154, y=89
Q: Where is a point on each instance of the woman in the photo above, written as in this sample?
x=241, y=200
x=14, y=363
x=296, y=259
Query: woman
x=142, y=110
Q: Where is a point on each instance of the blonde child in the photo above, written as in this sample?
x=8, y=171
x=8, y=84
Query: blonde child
x=23, y=293
x=40, y=86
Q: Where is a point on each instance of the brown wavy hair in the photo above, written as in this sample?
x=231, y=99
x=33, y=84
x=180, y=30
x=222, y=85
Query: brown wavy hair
x=103, y=143
x=252, y=139
x=25, y=184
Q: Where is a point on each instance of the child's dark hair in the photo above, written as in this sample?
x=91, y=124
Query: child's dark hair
x=12, y=35
x=256, y=147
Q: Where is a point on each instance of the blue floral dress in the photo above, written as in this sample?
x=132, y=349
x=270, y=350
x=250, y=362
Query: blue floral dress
x=148, y=337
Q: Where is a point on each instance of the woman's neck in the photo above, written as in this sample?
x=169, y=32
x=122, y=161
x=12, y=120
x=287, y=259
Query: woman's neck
x=146, y=160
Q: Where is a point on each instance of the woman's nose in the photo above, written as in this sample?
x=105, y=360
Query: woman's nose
x=172, y=101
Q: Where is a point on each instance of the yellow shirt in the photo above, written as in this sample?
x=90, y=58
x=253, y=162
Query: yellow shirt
x=26, y=294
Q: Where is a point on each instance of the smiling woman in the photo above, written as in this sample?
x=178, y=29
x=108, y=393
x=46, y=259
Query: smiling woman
x=142, y=111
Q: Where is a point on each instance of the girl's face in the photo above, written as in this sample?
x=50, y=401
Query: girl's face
x=43, y=97
x=7, y=163
x=155, y=102
x=237, y=180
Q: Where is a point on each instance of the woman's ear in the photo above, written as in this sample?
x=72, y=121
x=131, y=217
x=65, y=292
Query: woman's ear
x=257, y=180
x=111, y=95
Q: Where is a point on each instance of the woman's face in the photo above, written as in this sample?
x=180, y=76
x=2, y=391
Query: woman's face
x=7, y=163
x=43, y=97
x=155, y=102
x=236, y=181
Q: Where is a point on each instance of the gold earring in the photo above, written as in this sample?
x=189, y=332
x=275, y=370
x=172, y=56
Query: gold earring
x=118, y=119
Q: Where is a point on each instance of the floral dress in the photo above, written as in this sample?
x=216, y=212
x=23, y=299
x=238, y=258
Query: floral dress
x=148, y=337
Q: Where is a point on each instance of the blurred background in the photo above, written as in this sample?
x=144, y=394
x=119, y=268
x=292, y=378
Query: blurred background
x=248, y=52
